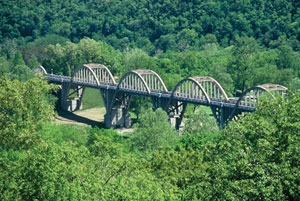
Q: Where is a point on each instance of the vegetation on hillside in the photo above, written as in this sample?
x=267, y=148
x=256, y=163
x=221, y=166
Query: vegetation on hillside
x=239, y=43
x=151, y=25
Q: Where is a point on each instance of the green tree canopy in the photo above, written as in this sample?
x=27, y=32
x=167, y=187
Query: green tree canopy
x=153, y=131
x=23, y=108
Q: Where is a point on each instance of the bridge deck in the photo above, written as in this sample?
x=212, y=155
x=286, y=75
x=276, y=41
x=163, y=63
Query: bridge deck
x=165, y=94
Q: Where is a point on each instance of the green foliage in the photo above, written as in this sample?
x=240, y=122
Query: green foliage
x=65, y=59
x=137, y=59
x=294, y=85
x=200, y=121
x=18, y=59
x=256, y=157
x=21, y=73
x=67, y=172
x=106, y=142
x=153, y=131
x=138, y=105
x=59, y=134
x=151, y=25
x=15, y=68
x=4, y=66
x=180, y=168
x=23, y=108
x=241, y=65
x=197, y=141
x=199, y=130
x=48, y=39
x=8, y=48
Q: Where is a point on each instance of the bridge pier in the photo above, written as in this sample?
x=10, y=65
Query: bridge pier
x=74, y=103
x=160, y=102
x=176, y=122
x=117, y=114
x=118, y=117
x=221, y=114
x=176, y=112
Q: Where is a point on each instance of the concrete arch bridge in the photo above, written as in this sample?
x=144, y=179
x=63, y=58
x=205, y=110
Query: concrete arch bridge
x=197, y=90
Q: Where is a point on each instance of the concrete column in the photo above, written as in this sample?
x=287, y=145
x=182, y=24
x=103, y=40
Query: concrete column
x=117, y=117
x=69, y=104
x=117, y=106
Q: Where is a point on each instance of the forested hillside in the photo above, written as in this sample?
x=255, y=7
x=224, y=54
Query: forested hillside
x=241, y=43
x=150, y=24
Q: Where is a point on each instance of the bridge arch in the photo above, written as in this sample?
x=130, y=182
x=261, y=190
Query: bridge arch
x=102, y=73
x=212, y=88
x=40, y=69
x=133, y=81
x=189, y=88
x=251, y=96
x=138, y=81
x=73, y=92
x=85, y=75
x=153, y=80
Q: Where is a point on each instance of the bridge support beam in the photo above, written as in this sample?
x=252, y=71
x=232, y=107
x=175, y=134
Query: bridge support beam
x=71, y=104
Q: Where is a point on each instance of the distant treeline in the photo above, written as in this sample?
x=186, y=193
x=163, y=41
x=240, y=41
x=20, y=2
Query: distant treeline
x=242, y=65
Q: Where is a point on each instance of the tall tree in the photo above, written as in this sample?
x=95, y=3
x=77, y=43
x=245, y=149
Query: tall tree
x=153, y=131
x=241, y=66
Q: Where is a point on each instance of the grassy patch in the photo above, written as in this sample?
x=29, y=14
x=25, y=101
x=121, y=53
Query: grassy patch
x=92, y=98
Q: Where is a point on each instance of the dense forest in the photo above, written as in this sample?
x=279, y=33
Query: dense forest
x=151, y=25
x=239, y=43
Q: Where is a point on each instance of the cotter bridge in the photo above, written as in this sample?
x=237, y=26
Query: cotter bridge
x=197, y=90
